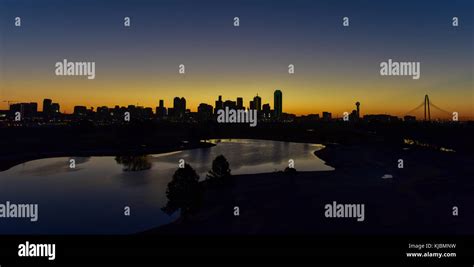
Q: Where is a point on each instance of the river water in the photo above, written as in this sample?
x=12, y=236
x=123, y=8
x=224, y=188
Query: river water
x=91, y=198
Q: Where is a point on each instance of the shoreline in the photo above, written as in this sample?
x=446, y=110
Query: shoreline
x=9, y=161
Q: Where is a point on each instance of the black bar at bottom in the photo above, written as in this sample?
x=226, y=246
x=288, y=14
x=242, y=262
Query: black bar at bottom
x=163, y=250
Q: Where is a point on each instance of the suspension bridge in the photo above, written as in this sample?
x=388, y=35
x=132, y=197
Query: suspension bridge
x=428, y=106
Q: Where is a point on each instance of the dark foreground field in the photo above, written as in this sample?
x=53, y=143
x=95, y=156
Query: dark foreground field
x=419, y=199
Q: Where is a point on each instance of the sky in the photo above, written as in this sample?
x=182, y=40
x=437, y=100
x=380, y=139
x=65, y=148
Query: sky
x=335, y=66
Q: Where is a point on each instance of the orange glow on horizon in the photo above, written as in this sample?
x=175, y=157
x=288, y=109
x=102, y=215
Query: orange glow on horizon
x=301, y=96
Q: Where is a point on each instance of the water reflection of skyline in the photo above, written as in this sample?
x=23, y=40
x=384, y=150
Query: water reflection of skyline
x=251, y=156
x=90, y=198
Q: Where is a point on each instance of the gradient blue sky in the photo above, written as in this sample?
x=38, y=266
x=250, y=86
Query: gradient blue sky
x=335, y=66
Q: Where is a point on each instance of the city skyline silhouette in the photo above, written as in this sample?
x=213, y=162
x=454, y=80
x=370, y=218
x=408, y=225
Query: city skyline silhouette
x=162, y=110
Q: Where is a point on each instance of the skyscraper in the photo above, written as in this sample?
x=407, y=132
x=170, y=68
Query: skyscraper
x=252, y=104
x=219, y=104
x=240, y=103
x=183, y=105
x=278, y=103
x=161, y=110
x=179, y=107
x=176, y=103
x=204, y=111
x=266, y=111
x=47, y=106
x=358, y=109
x=257, y=101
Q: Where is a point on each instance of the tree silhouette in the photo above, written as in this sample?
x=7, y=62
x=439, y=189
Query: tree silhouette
x=220, y=171
x=133, y=162
x=184, y=192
